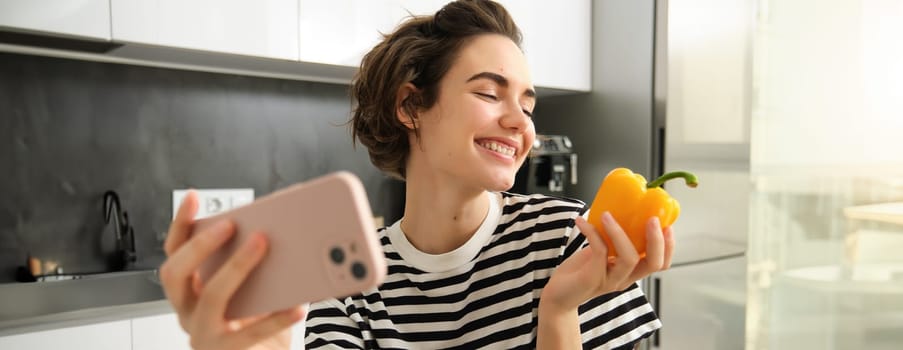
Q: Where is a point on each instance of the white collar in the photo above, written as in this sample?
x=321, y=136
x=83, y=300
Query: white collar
x=455, y=258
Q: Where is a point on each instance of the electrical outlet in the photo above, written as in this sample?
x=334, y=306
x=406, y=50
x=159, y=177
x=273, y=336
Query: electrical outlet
x=214, y=201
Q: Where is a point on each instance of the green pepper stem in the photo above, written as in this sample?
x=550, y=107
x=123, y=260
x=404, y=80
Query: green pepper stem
x=688, y=177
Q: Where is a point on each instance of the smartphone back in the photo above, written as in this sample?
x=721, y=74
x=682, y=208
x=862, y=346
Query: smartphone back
x=322, y=244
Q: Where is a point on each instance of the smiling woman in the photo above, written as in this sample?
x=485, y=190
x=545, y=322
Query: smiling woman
x=444, y=103
x=482, y=101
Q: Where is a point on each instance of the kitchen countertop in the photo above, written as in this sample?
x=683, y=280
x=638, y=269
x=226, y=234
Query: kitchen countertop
x=80, y=300
x=84, y=317
x=126, y=295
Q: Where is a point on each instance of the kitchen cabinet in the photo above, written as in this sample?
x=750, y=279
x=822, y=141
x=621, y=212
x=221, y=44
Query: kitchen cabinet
x=556, y=35
x=267, y=28
x=76, y=18
x=340, y=32
x=315, y=40
x=164, y=332
x=100, y=336
x=556, y=41
x=159, y=332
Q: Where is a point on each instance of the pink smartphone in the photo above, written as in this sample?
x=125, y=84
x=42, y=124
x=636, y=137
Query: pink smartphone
x=322, y=244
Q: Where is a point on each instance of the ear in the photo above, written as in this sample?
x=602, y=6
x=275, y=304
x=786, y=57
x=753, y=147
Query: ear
x=405, y=92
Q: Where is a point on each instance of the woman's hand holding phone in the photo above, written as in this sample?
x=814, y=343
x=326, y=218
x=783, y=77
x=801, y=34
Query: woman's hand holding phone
x=201, y=308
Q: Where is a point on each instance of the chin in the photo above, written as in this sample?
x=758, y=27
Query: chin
x=499, y=188
x=500, y=185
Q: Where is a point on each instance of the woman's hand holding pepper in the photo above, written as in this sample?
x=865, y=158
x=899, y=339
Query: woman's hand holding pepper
x=590, y=272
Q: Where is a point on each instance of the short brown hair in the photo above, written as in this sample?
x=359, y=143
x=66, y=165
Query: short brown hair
x=420, y=51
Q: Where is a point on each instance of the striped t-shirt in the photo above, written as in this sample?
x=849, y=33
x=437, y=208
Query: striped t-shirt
x=485, y=294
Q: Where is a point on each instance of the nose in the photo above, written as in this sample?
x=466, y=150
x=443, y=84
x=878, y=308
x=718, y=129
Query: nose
x=515, y=118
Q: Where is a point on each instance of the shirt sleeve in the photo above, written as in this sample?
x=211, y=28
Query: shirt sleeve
x=615, y=320
x=329, y=326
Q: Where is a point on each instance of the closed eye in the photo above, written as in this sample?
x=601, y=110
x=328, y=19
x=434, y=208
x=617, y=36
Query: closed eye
x=485, y=95
x=528, y=113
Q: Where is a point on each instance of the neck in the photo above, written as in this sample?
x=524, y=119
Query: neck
x=439, y=218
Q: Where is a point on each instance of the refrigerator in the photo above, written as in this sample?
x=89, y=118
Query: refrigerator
x=671, y=90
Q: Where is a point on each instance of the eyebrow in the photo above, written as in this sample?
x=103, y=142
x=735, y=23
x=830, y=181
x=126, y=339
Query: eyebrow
x=499, y=79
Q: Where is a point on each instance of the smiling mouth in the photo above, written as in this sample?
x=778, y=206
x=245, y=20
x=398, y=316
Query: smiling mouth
x=499, y=148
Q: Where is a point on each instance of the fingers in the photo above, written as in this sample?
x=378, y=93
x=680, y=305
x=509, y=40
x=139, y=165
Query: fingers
x=595, y=240
x=220, y=288
x=177, y=272
x=627, y=256
x=655, y=245
x=268, y=327
x=180, y=228
x=598, y=256
x=668, y=236
x=196, y=283
x=655, y=252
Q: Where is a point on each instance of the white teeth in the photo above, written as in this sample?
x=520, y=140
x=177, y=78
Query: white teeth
x=498, y=147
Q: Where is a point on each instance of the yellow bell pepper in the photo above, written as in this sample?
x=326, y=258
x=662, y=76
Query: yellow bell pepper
x=632, y=202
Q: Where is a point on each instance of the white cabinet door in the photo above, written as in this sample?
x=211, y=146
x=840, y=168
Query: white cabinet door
x=101, y=336
x=158, y=332
x=164, y=332
x=266, y=28
x=556, y=41
x=556, y=34
x=340, y=32
x=83, y=18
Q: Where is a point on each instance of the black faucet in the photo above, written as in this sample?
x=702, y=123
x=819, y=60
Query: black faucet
x=125, y=235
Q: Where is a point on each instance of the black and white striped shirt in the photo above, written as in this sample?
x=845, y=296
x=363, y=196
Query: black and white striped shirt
x=485, y=294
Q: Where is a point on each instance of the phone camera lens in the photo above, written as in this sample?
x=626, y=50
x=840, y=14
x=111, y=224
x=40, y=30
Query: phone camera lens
x=358, y=270
x=337, y=255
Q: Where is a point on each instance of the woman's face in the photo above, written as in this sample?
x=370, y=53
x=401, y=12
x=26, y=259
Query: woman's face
x=480, y=129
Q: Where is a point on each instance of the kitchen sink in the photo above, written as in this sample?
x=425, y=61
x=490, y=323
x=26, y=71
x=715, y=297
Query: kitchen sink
x=71, y=293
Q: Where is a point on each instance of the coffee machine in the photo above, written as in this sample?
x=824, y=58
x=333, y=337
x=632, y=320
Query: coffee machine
x=550, y=168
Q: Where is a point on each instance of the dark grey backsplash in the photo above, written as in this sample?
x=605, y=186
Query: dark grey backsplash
x=70, y=130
